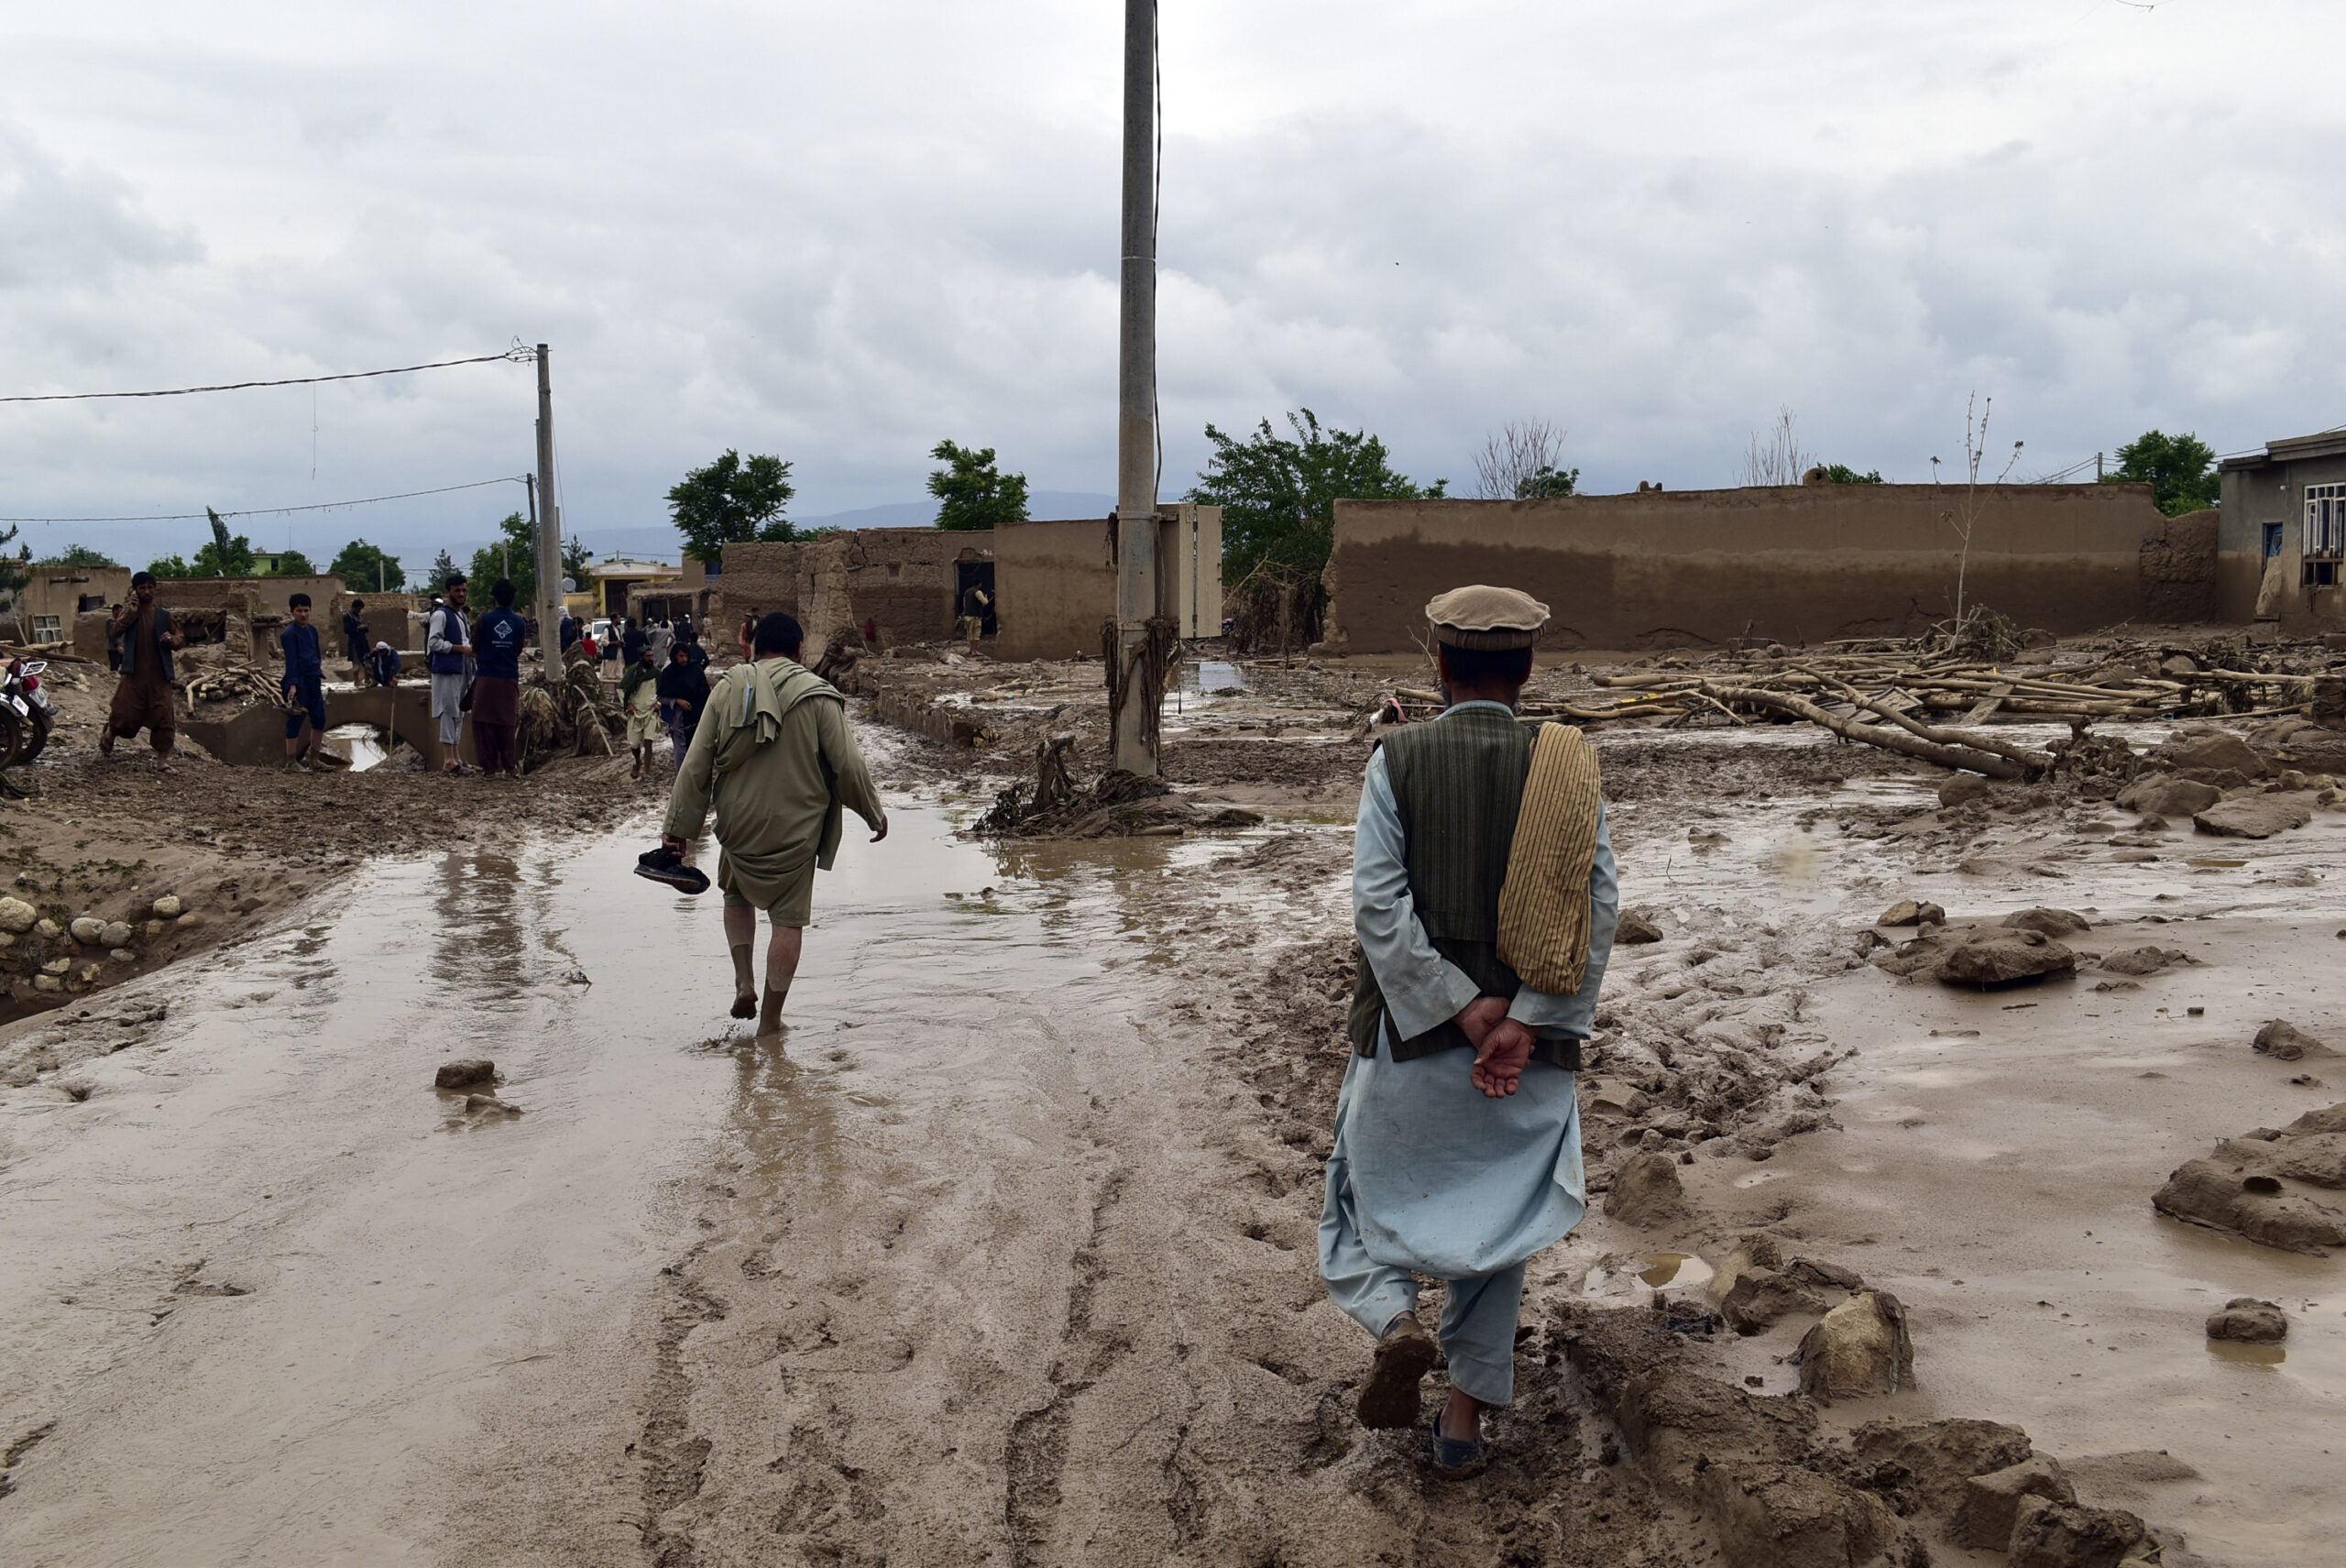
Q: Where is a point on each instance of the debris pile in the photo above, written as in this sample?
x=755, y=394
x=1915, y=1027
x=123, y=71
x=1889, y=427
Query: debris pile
x=576, y=718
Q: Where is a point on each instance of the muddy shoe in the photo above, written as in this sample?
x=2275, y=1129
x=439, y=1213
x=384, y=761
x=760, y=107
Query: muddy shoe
x=1455, y=1455
x=1404, y=1356
x=665, y=865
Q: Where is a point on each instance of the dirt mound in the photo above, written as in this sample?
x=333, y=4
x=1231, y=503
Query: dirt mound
x=2284, y=1041
x=2241, y=1189
x=2250, y=1321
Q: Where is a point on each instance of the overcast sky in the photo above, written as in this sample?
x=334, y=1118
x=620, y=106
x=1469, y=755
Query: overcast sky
x=841, y=231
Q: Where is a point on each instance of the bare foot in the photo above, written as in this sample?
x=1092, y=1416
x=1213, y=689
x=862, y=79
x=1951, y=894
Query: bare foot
x=745, y=1006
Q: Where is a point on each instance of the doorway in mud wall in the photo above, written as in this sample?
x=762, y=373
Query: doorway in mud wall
x=978, y=575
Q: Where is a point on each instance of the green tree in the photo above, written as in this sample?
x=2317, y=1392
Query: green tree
x=1546, y=483
x=224, y=556
x=971, y=492
x=2180, y=470
x=514, y=556
x=293, y=563
x=1842, y=473
x=78, y=557
x=576, y=559
x=1279, y=497
x=170, y=567
x=443, y=566
x=364, y=569
x=730, y=501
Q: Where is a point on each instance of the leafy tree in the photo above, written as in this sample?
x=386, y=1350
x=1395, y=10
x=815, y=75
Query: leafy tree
x=224, y=556
x=443, y=566
x=576, y=559
x=1522, y=462
x=2180, y=470
x=1842, y=473
x=730, y=501
x=366, y=569
x=75, y=557
x=1279, y=497
x=514, y=556
x=170, y=567
x=1546, y=482
x=971, y=492
x=12, y=574
x=293, y=563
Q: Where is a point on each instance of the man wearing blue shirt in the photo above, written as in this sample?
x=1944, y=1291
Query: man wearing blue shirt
x=305, y=695
x=498, y=642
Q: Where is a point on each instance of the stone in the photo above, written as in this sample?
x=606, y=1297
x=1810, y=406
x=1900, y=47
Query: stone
x=2047, y=1534
x=2225, y=1196
x=1634, y=930
x=86, y=929
x=48, y=982
x=2253, y=817
x=1964, y=788
x=2221, y=752
x=1816, y=1272
x=463, y=1073
x=115, y=935
x=154, y=929
x=1906, y=912
x=2250, y=1321
x=47, y=930
x=1990, y=1504
x=1862, y=1347
x=1788, y=1516
x=1647, y=1191
x=1938, y=1458
x=57, y=966
x=2165, y=796
x=122, y=956
x=1760, y=1298
x=2284, y=1041
x=188, y=921
x=1994, y=957
x=2047, y=922
x=491, y=1104
x=2141, y=960
x=16, y=916
x=169, y=908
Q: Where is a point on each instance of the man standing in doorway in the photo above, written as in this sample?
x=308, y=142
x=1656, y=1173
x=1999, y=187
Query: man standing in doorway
x=142, y=698
x=774, y=755
x=1481, y=860
x=449, y=641
x=497, y=685
x=304, y=687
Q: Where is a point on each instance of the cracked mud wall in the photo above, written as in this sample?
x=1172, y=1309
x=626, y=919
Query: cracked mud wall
x=1801, y=563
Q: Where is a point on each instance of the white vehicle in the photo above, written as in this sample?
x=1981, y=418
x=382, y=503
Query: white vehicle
x=599, y=629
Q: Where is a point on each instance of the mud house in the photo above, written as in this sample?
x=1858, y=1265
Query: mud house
x=1058, y=580
x=906, y=581
x=1792, y=563
x=2281, y=545
x=612, y=581
x=45, y=608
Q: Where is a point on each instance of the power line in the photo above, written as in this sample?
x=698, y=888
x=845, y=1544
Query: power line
x=277, y=511
x=516, y=354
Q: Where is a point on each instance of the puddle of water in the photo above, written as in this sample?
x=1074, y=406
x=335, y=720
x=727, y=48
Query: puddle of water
x=1674, y=1268
x=2248, y=1354
x=360, y=745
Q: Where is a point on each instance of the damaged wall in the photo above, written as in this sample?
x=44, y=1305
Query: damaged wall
x=1056, y=585
x=1795, y=564
x=904, y=579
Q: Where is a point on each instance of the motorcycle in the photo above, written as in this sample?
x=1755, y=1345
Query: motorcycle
x=25, y=715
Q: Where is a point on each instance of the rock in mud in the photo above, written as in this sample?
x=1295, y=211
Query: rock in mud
x=1760, y=1298
x=16, y=916
x=2047, y=1534
x=2253, y=817
x=1635, y=930
x=47, y=930
x=464, y=1073
x=1934, y=1459
x=2250, y=1321
x=1964, y=788
x=168, y=907
x=1679, y=1424
x=2284, y=1041
x=2047, y=922
x=490, y=1104
x=86, y=931
x=2328, y=1119
x=1860, y=1347
x=1647, y=1191
x=1816, y=1272
x=1994, y=957
x=1906, y=912
x=116, y=934
x=2221, y=753
x=2166, y=795
x=1991, y=1502
x=2225, y=1196
x=2141, y=960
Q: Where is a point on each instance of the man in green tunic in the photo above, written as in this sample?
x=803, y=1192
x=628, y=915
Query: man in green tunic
x=773, y=753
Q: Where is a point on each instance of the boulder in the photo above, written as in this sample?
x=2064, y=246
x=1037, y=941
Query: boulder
x=1635, y=930
x=2047, y=922
x=1994, y=957
x=2221, y=752
x=1990, y=1504
x=1860, y=1347
x=2167, y=794
x=1963, y=788
x=47, y=930
x=1906, y=912
x=2250, y=1321
x=87, y=930
x=16, y=916
x=2047, y=1534
x=2284, y=1041
x=1936, y=1458
x=1647, y=1191
x=464, y=1073
x=115, y=935
x=2254, y=816
x=168, y=907
x=2226, y=1196
x=2141, y=960
x=1760, y=1298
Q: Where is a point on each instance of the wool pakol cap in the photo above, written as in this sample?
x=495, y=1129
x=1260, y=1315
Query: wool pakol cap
x=1483, y=617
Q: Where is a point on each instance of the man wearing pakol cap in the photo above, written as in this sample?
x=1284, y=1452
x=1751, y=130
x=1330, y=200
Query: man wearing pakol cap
x=1483, y=900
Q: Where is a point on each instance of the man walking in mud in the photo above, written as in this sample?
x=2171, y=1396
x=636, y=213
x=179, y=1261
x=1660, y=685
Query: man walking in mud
x=142, y=698
x=773, y=753
x=1483, y=900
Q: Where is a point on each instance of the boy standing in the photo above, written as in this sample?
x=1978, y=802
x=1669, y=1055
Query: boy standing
x=304, y=686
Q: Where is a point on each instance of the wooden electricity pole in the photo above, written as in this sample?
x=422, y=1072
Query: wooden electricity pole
x=1135, y=746
x=549, y=531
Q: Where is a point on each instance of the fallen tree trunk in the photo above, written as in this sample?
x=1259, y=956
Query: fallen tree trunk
x=1945, y=753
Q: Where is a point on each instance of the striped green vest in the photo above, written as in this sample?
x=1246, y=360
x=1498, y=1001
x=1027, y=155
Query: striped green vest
x=1458, y=783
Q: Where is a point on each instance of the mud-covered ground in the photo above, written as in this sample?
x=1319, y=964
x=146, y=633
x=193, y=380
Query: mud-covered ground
x=1005, y=1255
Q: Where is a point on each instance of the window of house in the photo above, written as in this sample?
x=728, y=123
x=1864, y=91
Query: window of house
x=2325, y=533
x=48, y=628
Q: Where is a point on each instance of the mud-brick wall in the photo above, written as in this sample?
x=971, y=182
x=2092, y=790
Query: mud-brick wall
x=752, y=577
x=904, y=579
x=1797, y=564
x=1056, y=585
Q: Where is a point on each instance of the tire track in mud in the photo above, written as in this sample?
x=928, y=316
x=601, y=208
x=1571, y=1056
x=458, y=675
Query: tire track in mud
x=674, y=1462
x=1036, y=1453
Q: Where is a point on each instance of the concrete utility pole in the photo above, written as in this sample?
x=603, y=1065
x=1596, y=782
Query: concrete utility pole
x=549, y=530
x=1135, y=751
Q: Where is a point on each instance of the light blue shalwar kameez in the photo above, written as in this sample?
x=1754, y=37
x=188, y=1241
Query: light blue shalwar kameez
x=1430, y=1176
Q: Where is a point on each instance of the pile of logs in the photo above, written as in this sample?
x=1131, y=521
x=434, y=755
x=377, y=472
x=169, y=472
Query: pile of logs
x=239, y=684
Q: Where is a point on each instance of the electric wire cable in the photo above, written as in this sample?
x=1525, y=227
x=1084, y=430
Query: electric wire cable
x=515, y=355
x=277, y=511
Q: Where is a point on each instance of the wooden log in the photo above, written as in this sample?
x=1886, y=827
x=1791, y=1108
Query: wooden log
x=1968, y=757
